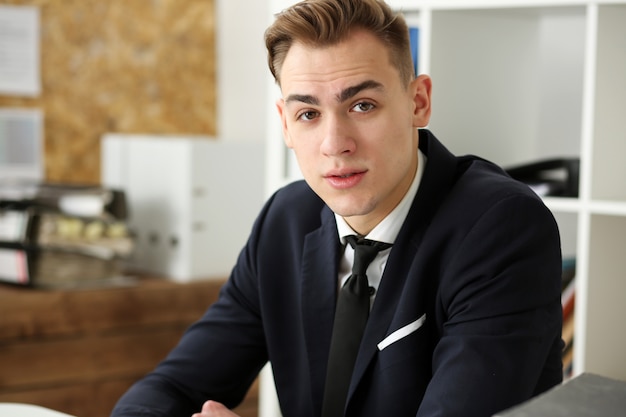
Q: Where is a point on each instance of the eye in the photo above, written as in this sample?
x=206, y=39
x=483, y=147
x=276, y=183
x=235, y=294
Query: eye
x=307, y=115
x=363, y=107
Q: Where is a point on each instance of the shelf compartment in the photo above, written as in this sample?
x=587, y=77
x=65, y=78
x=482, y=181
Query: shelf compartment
x=609, y=143
x=508, y=83
x=604, y=338
x=568, y=229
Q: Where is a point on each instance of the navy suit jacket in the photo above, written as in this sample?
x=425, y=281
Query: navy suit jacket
x=466, y=321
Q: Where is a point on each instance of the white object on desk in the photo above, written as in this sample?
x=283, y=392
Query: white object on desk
x=192, y=199
x=28, y=410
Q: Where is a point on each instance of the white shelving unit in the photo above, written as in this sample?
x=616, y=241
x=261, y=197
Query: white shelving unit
x=517, y=81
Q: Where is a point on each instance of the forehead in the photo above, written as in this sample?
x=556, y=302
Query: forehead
x=361, y=56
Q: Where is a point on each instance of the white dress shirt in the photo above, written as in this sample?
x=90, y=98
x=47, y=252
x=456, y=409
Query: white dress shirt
x=386, y=231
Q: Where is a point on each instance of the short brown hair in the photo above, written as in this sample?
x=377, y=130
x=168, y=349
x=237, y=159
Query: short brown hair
x=328, y=22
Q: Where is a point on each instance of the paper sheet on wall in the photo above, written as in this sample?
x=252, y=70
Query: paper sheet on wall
x=19, y=51
x=21, y=145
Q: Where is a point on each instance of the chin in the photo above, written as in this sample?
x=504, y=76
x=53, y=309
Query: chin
x=350, y=208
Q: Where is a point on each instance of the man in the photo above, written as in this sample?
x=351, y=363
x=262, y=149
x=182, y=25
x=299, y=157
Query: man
x=465, y=313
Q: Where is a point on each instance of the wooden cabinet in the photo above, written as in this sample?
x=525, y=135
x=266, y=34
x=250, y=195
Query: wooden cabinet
x=77, y=351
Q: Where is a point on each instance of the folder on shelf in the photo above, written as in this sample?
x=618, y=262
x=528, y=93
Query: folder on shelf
x=53, y=268
x=72, y=199
x=60, y=236
x=550, y=177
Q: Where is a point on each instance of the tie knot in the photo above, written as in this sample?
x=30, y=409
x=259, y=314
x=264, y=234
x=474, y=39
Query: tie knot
x=365, y=251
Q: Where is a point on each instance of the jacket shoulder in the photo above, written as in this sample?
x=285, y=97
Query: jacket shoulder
x=487, y=181
x=297, y=198
x=294, y=209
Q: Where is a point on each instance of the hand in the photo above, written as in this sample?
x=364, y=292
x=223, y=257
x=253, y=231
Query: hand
x=214, y=409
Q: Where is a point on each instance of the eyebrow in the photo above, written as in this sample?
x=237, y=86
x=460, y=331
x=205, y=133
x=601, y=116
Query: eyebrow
x=350, y=92
x=344, y=95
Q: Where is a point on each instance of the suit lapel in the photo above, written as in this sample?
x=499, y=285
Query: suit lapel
x=439, y=176
x=320, y=260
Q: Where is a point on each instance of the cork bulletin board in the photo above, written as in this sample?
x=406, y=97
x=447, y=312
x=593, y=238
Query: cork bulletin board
x=130, y=66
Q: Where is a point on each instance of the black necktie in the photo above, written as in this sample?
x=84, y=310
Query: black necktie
x=353, y=306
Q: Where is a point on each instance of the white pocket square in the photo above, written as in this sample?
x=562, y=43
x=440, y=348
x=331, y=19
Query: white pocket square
x=402, y=332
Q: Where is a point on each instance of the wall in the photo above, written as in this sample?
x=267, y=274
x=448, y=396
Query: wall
x=120, y=66
x=242, y=73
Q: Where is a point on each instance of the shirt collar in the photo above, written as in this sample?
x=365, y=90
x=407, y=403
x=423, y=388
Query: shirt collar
x=387, y=230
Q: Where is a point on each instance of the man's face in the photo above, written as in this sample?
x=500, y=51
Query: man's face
x=352, y=125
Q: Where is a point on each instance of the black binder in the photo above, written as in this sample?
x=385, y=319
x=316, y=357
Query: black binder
x=551, y=177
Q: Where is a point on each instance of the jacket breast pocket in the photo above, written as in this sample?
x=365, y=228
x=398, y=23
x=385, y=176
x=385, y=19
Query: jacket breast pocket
x=402, y=343
x=402, y=332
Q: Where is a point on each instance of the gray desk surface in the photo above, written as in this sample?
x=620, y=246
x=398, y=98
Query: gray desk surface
x=587, y=395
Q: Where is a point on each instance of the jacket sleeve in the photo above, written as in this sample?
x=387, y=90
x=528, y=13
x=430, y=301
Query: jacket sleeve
x=217, y=358
x=499, y=313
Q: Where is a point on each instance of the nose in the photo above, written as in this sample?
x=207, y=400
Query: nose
x=338, y=139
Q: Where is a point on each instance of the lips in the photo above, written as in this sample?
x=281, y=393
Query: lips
x=344, y=180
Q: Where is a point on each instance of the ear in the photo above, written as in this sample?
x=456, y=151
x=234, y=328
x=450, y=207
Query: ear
x=282, y=112
x=421, y=88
